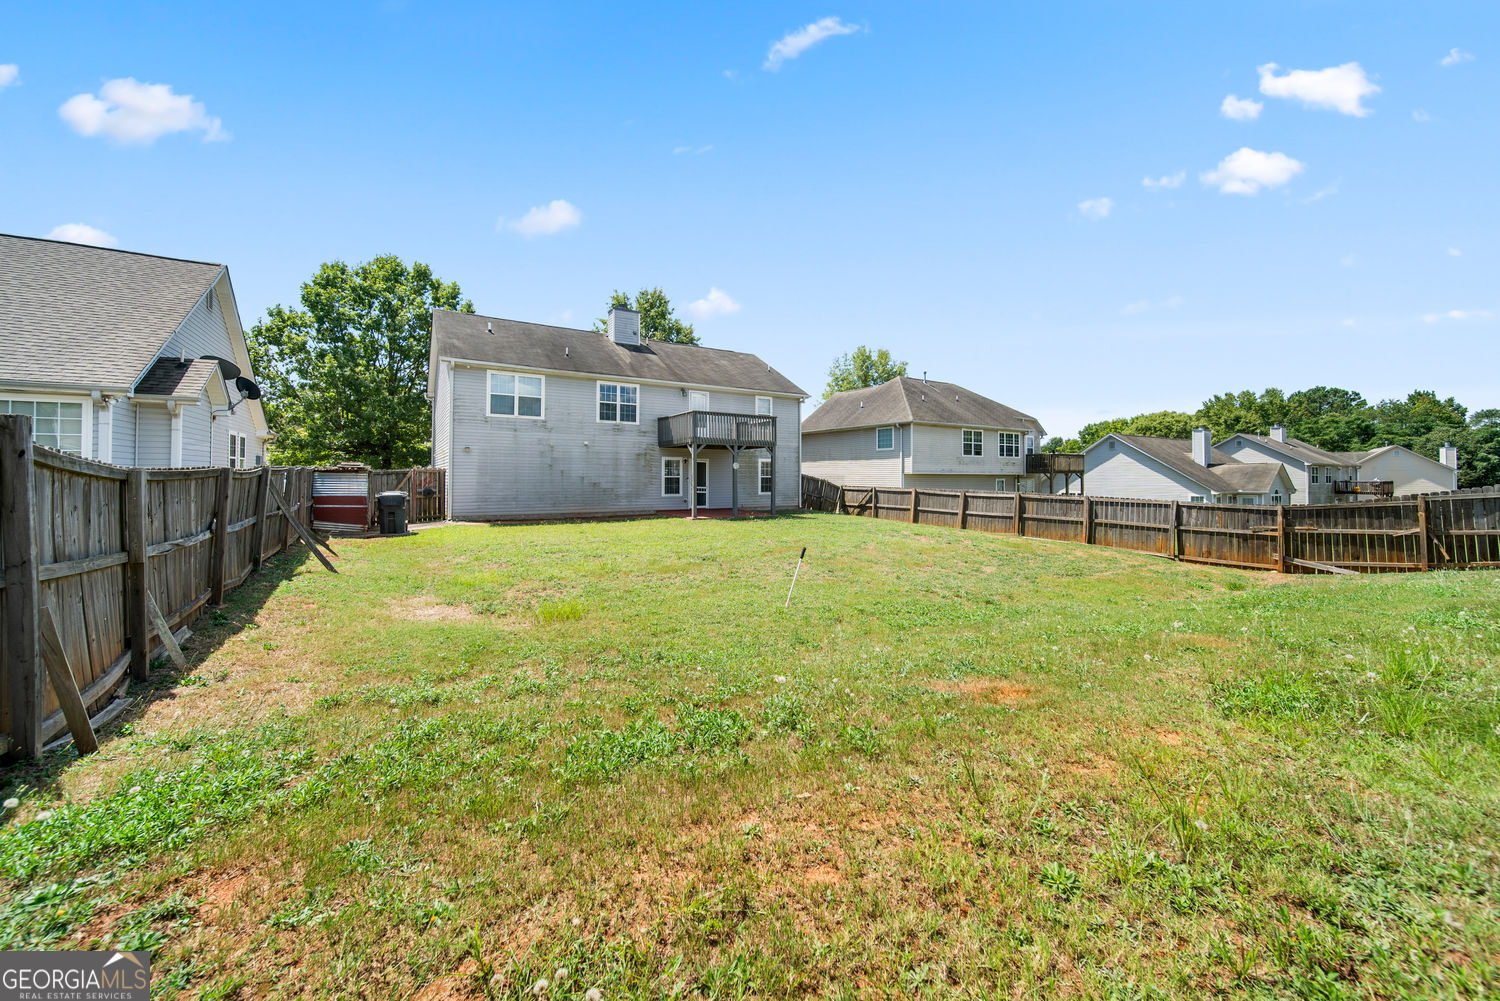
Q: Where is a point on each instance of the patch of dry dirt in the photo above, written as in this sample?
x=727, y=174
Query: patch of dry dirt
x=422, y=608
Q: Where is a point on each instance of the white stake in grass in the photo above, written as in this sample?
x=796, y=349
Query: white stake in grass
x=795, y=572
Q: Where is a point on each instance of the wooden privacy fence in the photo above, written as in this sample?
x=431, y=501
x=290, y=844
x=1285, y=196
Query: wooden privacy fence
x=1423, y=532
x=426, y=492
x=113, y=560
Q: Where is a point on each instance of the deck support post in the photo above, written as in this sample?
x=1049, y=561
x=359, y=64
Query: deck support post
x=771, y=458
x=734, y=481
x=692, y=479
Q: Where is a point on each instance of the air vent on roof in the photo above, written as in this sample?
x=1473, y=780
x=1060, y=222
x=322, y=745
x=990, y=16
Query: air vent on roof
x=489, y=328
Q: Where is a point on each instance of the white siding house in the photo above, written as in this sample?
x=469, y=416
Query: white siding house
x=105, y=350
x=1190, y=470
x=1323, y=477
x=532, y=421
x=915, y=432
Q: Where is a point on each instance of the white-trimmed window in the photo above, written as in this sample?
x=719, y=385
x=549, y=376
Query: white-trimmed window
x=239, y=451
x=766, y=484
x=973, y=442
x=1002, y=484
x=1008, y=443
x=1031, y=444
x=885, y=439
x=763, y=406
x=671, y=477
x=618, y=403
x=1196, y=499
x=516, y=395
x=54, y=423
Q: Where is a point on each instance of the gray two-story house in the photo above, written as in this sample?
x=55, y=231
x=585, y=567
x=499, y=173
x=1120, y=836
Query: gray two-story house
x=915, y=432
x=1322, y=477
x=533, y=421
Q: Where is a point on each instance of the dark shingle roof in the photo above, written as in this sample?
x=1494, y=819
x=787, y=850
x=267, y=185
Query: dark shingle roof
x=903, y=400
x=563, y=349
x=1297, y=449
x=1224, y=474
x=171, y=377
x=74, y=315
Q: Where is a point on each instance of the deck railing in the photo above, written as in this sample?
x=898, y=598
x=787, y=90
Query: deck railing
x=1048, y=463
x=713, y=427
x=1376, y=488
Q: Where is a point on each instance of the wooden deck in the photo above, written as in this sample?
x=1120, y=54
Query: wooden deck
x=715, y=428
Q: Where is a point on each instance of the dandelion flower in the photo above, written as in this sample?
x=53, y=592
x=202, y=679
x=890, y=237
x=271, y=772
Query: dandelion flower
x=12, y=803
x=593, y=994
x=540, y=987
x=44, y=815
x=560, y=975
x=780, y=679
x=577, y=922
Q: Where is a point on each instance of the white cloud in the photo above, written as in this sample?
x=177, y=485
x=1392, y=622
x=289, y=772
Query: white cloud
x=1338, y=88
x=1240, y=108
x=1418, y=115
x=9, y=73
x=544, y=220
x=129, y=111
x=794, y=43
x=77, y=232
x=1458, y=314
x=695, y=150
x=1456, y=56
x=1246, y=171
x=1455, y=252
x=1096, y=208
x=1164, y=181
x=716, y=303
x=1322, y=193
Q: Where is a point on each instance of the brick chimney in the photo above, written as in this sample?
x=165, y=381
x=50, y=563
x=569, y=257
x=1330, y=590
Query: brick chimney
x=1202, y=446
x=1448, y=455
x=1278, y=433
x=624, y=325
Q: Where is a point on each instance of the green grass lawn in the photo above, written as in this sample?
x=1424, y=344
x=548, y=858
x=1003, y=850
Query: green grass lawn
x=959, y=766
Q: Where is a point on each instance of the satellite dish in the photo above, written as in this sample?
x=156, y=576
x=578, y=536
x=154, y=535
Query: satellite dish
x=230, y=370
x=247, y=387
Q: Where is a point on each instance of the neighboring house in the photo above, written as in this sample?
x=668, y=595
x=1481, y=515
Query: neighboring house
x=1190, y=470
x=1323, y=477
x=534, y=421
x=914, y=432
x=104, y=348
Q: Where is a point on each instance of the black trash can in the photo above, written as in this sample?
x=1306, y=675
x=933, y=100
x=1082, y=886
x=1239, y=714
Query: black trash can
x=390, y=512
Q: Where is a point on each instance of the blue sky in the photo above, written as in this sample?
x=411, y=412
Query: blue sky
x=930, y=178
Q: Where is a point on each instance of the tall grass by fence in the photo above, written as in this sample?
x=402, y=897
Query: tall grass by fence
x=95, y=550
x=1423, y=532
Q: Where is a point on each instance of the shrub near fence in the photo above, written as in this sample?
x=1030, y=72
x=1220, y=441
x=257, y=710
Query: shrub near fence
x=1450, y=530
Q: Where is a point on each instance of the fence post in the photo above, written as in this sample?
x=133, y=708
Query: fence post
x=138, y=616
x=1088, y=520
x=220, y=548
x=913, y=505
x=1283, y=540
x=1172, y=531
x=840, y=505
x=258, y=533
x=17, y=515
x=963, y=508
x=1424, y=555
x=1017, y=526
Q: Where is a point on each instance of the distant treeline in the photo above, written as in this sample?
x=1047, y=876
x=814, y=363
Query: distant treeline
x=1339, y=420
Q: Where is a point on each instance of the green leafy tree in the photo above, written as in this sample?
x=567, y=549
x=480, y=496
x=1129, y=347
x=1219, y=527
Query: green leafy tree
x=862, y=368
x=1091, y=433
x=1163, y=424
x=345, y=376
x=658, y=321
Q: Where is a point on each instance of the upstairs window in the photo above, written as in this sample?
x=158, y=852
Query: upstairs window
x=885, y=439
x=973, y=442
x=55, y=425
x=763, y=406
x=617, y=403
x=513, y=395
x=1009, y=444
x=1031, y=444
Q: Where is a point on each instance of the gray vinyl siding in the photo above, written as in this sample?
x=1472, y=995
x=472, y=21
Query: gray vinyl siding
x=1124, y=472
x=197, y=425
x=976, y=483
x=1249, y=450
x=1409, y=472
x=850, y=458
x=442, y=417
x=153, y=443
x=205, y=436
x=938, y=449
x=569, y=462
x=123, y=429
